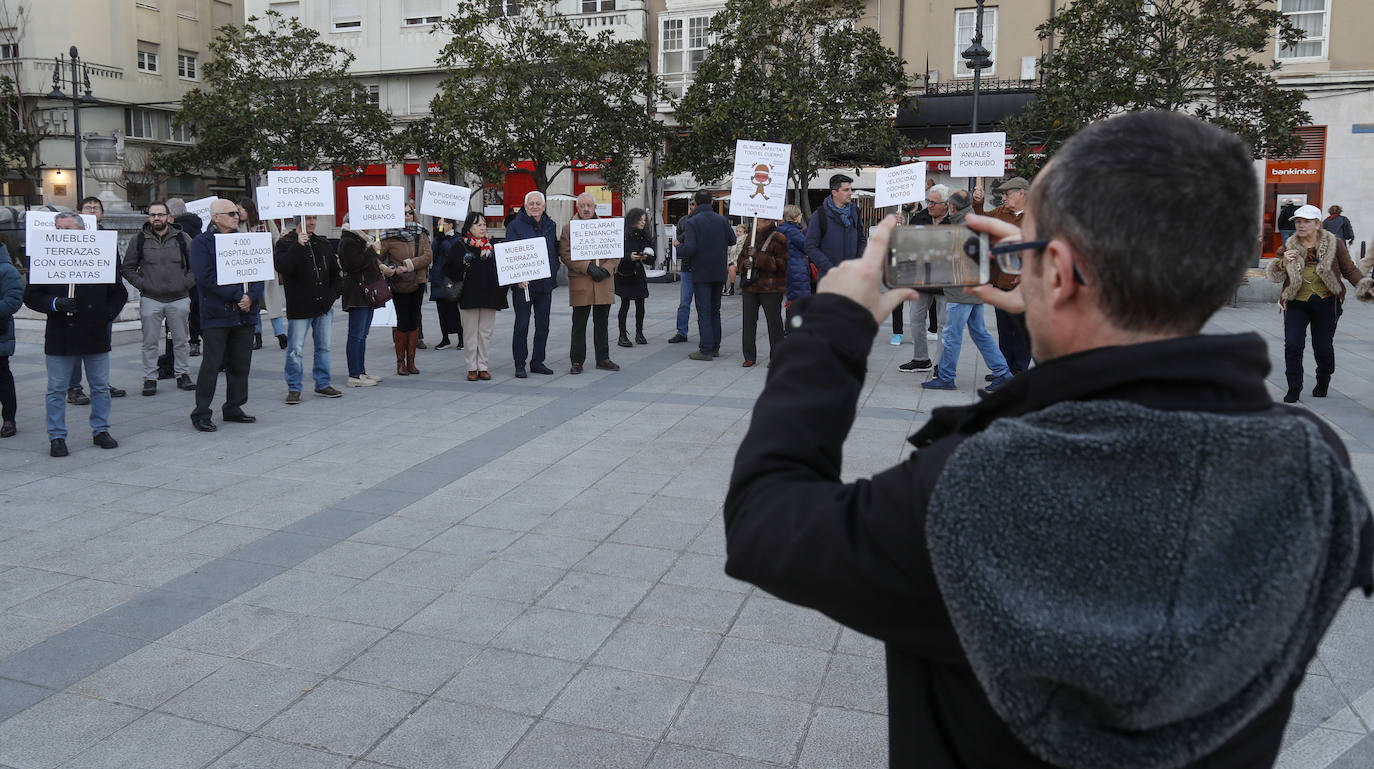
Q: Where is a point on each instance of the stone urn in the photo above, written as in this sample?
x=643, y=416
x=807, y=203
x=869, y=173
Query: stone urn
x=105, y=159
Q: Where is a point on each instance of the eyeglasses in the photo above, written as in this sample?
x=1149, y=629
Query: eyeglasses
x=156, y=216
x=234, y=214
x=1009, y=258
x=410, y=212
x=935, y=202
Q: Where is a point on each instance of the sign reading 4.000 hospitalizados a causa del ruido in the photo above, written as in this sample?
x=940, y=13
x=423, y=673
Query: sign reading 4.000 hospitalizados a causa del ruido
x=759, y=186
x=302, y=193
x=243, y=257
x=376, y=208
x=72, y=256
x=520, y=260
x=596, y=239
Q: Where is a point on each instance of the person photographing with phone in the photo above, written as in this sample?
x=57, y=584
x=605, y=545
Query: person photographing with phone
x=1125, y=556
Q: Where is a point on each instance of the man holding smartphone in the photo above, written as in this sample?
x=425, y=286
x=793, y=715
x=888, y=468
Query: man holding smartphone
x=1124, y=557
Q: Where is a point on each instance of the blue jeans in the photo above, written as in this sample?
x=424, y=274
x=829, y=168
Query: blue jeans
x=684, y=302
x=519, y=343
x=319, y=326
x=957, y=317
x=707, y=297
x=60, y=369
x=278, y=325
x=359, y=321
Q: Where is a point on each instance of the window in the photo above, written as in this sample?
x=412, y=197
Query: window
x=186, y=66
x=964, y=21
x=147, y=61
x=682, y=48
x=418, y=12
x=183, y=134
x=140, y=123
x=374, y=95
x=347, y=15
x=503, y=8
x=9, y=50
x=288, y=10
x=595, y=6
x=1310, y=16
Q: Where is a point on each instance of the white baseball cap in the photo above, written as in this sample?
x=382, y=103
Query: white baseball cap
x=1308, y=212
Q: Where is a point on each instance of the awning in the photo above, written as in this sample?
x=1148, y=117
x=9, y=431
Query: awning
x=940, y=116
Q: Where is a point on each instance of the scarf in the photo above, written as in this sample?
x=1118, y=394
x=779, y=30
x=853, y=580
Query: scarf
x=407, y=233
x=483, y=246
x=845, y=215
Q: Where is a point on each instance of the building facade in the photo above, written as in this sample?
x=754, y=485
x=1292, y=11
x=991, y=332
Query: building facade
x=140, y=57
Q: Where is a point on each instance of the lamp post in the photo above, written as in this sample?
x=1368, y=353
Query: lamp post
x=81, y=80
x=979, y=59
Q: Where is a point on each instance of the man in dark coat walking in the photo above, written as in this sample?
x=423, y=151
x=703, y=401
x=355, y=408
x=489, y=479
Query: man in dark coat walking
x=78, y=333
x=1126, y=556
x=706, y=236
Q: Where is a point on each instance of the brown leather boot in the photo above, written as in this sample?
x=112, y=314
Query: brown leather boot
x=400, y=339
x=413, y=339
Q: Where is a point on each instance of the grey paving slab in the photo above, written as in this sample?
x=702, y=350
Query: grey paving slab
x=669, y=756
x=316, y=644
x=377, y=603
x=230, y=630
x=462, y=617
x=410, y=662
x=613, y=700
x=447, y=735
x=596, y=594
x=683, y=606
x=28, y=740
x=556, y=633
x=258, y=753
x=16, y=697
x=856, y=683
x=769, y=668
x=158, y=740
x=242, y=695
x=628, y=561
x=845, y=738
x=742, y=724
x=520, y=683
x=148, y=677
x=63, y=659
x=341, y=717
x=571, y=747
x=769, y=619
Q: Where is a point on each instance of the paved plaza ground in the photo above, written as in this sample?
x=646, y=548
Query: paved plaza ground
x=438, y=574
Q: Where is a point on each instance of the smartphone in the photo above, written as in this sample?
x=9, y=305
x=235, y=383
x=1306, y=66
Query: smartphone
x=936, y=257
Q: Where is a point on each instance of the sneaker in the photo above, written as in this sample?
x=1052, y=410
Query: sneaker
x=699, y=355
x=937, y=383
x=677, y=338
x=366, y=375
x=293, y=397
x=150, y=387
x=896, y=340
x=184, y=382
x=997, y=383
x=931, y=336
x=77, y=397
x=913, y=365
x=116, y=392
x=328, y=392
x=105, y=441
x=195, y=349
x=540, y=368
x=420, y=345
x=357, y=381
x=57, y=447
x=442, y=344
x=520, y=374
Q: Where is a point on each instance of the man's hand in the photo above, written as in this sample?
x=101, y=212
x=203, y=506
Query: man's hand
x=301, y=237
x=523, y=284
x=858, y=278
x=245, y=303
x=65, y=304
x=998, y=232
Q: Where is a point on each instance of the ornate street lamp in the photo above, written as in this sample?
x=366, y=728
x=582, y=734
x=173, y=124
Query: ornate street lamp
x=979, y=59
x=81, y=80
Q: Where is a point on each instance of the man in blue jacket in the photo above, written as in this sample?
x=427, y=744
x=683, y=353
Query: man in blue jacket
x=531, y=222
x=706, y=236
x=835, y=233
x=226, y=324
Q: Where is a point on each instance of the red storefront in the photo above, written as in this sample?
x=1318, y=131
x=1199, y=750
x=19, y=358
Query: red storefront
x=1297, y=179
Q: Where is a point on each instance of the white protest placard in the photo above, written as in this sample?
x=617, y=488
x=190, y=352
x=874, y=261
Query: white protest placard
x=383, y=316
x=759, y=185
x=243, y=257
x=47, y=220
x=900, y=184
x=981, y=154
x=72, y=256
x=596, y=239
x=376, y=208
x=267, y=204
x=302, y=193
x=201, y=208
x=520, y=260
x=604, y=209
x=446, y=200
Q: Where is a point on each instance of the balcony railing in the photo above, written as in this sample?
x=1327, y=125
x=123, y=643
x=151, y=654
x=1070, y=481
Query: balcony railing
x=965, y=86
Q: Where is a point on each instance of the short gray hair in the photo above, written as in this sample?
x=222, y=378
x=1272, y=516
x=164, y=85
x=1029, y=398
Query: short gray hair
x=940, y=190
x=534, y=194
x=176, y=206
x=80, y=223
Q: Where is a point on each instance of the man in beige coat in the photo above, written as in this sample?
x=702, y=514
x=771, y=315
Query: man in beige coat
x=590, y=292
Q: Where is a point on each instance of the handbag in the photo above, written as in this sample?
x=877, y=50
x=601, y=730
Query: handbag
x=451, y=289
x=377, y=293
x=597, y=273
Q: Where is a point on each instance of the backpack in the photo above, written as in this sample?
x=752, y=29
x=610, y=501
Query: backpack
x=181, y=244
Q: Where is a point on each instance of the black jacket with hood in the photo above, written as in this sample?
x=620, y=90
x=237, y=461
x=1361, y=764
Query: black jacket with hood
x=1124, y=557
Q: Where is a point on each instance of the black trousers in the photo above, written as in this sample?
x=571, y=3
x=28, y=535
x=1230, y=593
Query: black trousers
x=625, y=311
x=449, y=320
x=408, y=310
x=1320, y=314
x=231, y=347
x=601, y=343
x=9, y=402
x=1013, y=339
x=772, y=313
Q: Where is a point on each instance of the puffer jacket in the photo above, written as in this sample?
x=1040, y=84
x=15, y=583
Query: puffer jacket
x=798, y=264
x=11, y=299
x=359, y=265
x=161, y=270
x=769, y=261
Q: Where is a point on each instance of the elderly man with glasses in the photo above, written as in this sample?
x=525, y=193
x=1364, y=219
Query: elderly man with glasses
x=227, y=313
x=158, y=264
x=936, y=212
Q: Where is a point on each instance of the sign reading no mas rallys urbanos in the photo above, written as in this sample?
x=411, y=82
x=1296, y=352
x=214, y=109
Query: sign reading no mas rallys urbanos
x=302, y=193
x=448, y=201
x=376, y=208
x=72, y=256
x=243, y=257
x=759, y=182
x=596, y=239
x=521, y=260
x=900, y=184
x=982, y=154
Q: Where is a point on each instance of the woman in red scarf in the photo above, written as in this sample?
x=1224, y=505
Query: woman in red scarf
x=472, y=263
